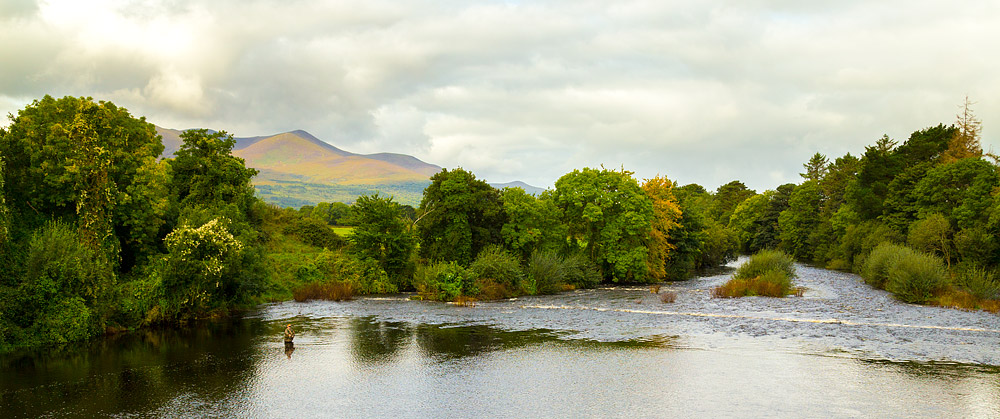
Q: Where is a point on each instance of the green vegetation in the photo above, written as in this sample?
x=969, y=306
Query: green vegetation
x=919, y=219
x=97, y=235
x=768, y=273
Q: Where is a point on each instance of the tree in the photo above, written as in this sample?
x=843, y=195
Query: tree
x=816, y=168
x=532, y=223
x=797, y=223
x=4, y=215
x=878, y=166
x=746, y=219
x=206, y=174
x=460, y=215
x=933, y=235
x=666, y=218
x=966, y=141
x=960, y=191
x=89, y=163
x=610, y=212
x=766, y=230
x=383, y=236
x=726, y=198
x=834, y=183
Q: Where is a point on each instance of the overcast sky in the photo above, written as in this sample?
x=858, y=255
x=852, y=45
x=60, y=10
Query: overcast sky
x=700, y=91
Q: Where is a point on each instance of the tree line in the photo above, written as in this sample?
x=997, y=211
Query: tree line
x=99, y=234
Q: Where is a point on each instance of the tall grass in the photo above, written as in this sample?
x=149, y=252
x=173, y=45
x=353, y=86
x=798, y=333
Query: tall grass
x=768, y=273
x=547, y=271
x=767, y=261
x=979, y=282
x=333, y=291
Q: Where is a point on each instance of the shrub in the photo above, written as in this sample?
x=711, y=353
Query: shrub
x=877, y=265
x=314, y=232
x=768, y=273
x=668, y=297
x=580, y=271
x=442, y=281
x=916, y=277
x=546, y=270
x=980, y=282
x=766, y=261
x=770, y=284
x=494, y=264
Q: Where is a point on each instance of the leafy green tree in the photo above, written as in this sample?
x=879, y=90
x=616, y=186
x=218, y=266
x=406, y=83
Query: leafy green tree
x=206, y=174
x=802, y=217
x=4, y=214
x=747, y=218
x=878, y=166
x=383, y=236
x=932, y=234
x=532, y=223
x=610, y=212
x=460, y=216
x=207, y=266
x=834, y=183
x=961, y=191
x=64, y=294
x=90, y=163
x=766, y=230
x=726, y=198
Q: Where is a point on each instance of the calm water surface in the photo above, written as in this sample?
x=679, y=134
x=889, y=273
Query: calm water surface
x=843, y=350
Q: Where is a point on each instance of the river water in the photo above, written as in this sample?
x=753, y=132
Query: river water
x=841, y=350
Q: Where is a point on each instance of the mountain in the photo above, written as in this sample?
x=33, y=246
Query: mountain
x=296, y=169
x=531, y=190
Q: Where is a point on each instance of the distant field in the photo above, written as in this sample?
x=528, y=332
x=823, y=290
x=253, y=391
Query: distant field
x=343, y=231
x=292, y=194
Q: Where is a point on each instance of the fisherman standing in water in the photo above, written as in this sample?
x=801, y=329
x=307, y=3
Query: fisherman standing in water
x=289, y=346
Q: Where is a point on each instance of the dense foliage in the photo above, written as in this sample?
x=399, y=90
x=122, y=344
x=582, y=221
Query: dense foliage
x=919, y=219
x=98, y=235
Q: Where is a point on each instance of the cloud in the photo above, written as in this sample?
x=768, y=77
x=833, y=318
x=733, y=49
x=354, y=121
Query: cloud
x=700, y=91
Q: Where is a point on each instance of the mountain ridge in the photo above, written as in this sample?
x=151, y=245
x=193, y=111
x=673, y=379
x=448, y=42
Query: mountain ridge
x=297, y=168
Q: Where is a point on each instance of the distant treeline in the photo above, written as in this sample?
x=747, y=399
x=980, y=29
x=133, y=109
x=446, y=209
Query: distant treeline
x=97, y=235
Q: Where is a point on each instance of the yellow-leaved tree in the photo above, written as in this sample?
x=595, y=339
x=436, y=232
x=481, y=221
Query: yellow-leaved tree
x=666, y=217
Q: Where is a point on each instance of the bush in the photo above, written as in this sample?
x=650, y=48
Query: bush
x=314, y=232
x=916, y=277
x=980, y=282
x=766, y=261
x=442, y=281
x=546, y=270
x=494, y=267
x=768, y=273
x=580, y=271
x=877, y=265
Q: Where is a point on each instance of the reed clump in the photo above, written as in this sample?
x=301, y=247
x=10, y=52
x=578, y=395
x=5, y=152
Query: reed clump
x=332, y=291
x=668, y=297
x=768, y=273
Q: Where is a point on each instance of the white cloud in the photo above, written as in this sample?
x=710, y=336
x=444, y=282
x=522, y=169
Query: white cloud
x=700, y=91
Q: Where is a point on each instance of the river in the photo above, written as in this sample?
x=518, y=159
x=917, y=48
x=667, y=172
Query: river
x=841, y=350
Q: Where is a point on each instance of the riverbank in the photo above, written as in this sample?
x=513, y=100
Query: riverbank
x=838, y=315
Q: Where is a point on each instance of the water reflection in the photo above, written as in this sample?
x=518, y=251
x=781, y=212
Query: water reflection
x=376, y=368
x=377, y=342
x=130, y=373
